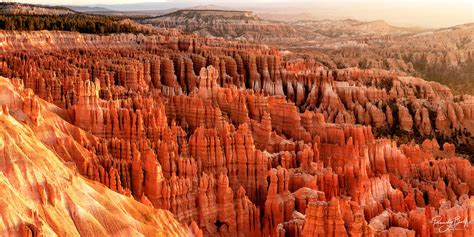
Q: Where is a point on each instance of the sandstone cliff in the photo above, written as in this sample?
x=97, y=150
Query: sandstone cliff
x=43, y=195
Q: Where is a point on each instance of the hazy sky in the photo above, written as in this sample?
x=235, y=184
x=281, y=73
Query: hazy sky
x=426, y=13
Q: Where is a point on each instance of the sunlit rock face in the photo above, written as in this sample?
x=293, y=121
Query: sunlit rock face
x=183, y=134
x=229, y=24
x=42, y=192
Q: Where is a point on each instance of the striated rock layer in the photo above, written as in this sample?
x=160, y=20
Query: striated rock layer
x=43, y=195
x=235, y=139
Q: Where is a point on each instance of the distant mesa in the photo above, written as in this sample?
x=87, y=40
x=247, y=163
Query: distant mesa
x=228, y=24
x=231, y=14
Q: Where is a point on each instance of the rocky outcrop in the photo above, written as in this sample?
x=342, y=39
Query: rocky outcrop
x=59, y=201
x=235, y=139
x=324, y=219
x=227, y=24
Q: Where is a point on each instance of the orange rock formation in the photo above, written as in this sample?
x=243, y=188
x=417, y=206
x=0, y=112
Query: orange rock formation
x=233, y=139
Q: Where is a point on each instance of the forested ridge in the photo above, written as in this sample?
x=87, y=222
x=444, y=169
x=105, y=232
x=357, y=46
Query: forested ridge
x=77, y=22
x=28, y=17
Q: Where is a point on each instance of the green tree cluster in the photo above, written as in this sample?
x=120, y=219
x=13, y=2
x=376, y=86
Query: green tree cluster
x=73, y=22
